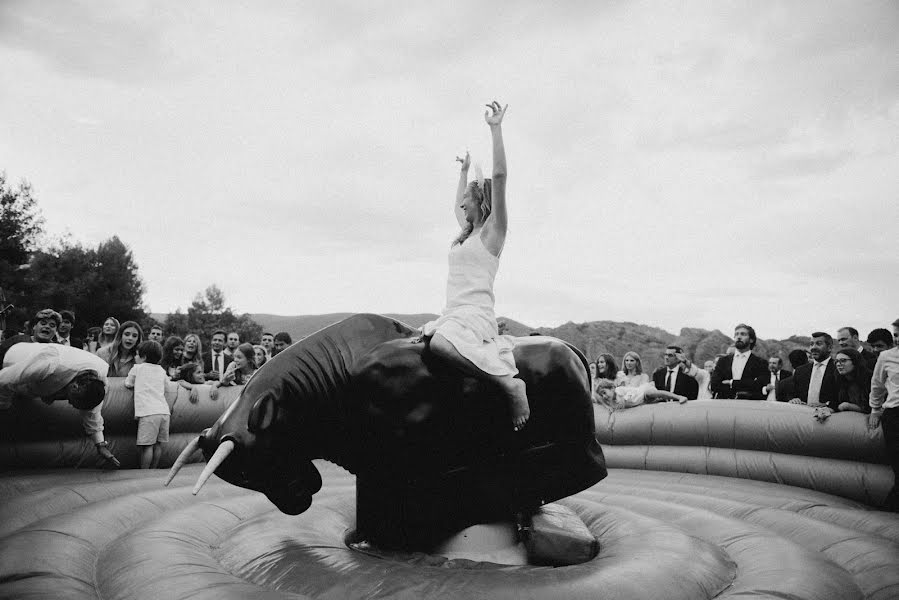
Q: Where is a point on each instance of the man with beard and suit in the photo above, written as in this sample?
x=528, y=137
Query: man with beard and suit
x=815, y=383
x=847, y=337
x=777, y=375
x=672, y=378
x=741, y=375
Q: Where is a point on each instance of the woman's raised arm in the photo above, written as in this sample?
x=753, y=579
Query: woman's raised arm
x=498, y=220
x=460, y=190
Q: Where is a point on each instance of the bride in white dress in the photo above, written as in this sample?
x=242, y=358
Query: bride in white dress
x=465, y=334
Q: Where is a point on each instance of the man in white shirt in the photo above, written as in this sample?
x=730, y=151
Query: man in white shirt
x=54, y=372
x=884, y=400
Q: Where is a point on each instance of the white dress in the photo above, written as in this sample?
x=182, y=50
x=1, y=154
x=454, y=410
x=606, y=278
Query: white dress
x=468, y=320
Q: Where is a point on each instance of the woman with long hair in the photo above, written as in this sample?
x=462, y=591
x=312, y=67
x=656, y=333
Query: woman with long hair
x=606, y=367
x=173, y=357
x=107, y=333
x=193, y=349
x=121, y=352
x=853, y=382
x=466, y=336
x=631, y=374
x=239, y=370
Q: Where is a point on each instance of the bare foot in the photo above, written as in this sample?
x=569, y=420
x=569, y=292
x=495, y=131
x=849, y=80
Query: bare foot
x=521, y=411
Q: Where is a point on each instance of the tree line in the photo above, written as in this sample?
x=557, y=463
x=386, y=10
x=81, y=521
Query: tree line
x=94, y=282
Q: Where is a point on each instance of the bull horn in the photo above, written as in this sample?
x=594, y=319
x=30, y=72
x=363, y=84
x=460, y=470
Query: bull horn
x=221, y=453
x=182, y=458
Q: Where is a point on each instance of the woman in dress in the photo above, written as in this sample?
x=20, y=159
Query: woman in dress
x=120, y=353
x=466, y=334
x=631, y=374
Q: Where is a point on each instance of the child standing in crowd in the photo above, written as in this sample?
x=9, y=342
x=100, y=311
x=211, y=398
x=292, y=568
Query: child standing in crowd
x=147, y=379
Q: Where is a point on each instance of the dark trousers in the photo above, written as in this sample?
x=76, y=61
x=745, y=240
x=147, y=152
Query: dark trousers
x=889, y=421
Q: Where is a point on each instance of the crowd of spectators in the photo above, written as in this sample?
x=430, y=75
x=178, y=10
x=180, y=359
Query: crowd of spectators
x=840, y=374
x=47, y=362
x=832, y=375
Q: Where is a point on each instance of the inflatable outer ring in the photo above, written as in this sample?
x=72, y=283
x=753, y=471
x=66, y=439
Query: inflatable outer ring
x=762, y=441
x=662, y=536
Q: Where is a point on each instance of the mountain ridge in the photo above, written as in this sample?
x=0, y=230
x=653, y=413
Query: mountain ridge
x=592, y=338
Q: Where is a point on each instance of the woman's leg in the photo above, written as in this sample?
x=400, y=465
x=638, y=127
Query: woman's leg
x=514, y=388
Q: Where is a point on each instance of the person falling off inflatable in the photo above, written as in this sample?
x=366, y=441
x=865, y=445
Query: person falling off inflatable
x=466, y=335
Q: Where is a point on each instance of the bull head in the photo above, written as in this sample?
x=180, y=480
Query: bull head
x=254, y=446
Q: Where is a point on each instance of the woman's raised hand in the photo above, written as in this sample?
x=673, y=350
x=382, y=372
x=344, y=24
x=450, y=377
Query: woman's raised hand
x=497, y=115
x=466, y=162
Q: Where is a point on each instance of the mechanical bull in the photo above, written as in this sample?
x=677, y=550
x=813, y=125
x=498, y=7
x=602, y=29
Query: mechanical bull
x=432, y=450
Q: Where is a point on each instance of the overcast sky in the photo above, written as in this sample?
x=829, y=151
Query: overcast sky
x=670, y=163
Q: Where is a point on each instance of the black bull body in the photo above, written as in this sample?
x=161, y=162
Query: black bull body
x=433, y=451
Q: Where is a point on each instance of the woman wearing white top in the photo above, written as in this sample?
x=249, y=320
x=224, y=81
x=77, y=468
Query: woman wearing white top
x=465, y=335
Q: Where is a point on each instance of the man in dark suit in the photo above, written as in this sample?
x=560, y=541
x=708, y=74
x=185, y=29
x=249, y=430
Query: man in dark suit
x=64, y=331
x=777, y=374
x=216, y=361
x=742, y=374
x=786, y=391
x=815, y=383
x=671, y=377
x=847, y=337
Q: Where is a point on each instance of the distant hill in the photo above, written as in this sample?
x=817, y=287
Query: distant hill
x=592, y=338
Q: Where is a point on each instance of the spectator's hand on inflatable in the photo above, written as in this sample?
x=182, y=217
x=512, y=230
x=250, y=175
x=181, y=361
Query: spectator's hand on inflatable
x=214, y=392
x=874, y=420
x=194, y=395
x=795, y=401
x=466, y=162
x=822, y=413
x=111, y=462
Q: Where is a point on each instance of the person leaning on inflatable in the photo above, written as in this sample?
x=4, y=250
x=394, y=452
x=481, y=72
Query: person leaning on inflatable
x=55, y=372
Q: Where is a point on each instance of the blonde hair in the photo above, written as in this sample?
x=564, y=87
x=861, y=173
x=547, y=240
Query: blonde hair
x=638, y=370
x=484, y=199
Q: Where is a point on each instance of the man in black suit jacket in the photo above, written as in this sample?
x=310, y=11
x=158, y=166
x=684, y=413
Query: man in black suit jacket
x=216, y=361
x=63, y=332
x=776, y=375
x=741, y=374
x=786, y=391
x=815, y=383
x=847, y=337
x=683, y=384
